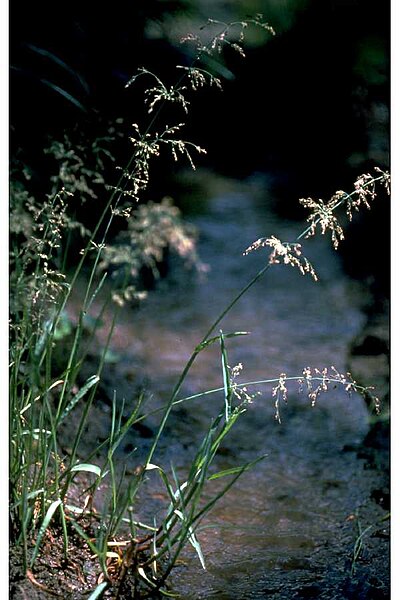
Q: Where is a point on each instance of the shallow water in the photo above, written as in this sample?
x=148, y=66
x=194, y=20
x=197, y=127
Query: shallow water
x=283, y=529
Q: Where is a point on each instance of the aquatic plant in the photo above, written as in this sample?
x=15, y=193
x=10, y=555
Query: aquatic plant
x=131, y=555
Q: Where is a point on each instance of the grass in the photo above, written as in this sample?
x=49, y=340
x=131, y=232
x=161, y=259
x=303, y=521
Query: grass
x=42, y=399
x=362, y=534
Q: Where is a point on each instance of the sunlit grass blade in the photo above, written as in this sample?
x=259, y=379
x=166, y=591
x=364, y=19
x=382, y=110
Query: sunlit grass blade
x=29, y=496
x=164, y=478
x=192, y=538
x=88, y=468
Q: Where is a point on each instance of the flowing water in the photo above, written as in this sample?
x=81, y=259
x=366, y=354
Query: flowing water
x=285, y=529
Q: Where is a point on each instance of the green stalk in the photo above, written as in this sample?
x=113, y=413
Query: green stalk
x=88, y=405
x=194, y=355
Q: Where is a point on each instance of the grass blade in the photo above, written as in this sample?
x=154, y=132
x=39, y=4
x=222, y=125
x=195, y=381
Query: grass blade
x=225, y=375
x=164, y=479
x=65, y=531
x=91, y=381
x=232, y=471
x=88, y=468
x=216, y=338
x=46, y=521
x=98, y=592
x=85, y=537
x=64, y=93
x=27, y=497
x=192, y=538
x=60, y=63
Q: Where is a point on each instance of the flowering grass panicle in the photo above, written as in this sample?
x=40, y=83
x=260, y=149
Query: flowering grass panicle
x=152, y=229
x=240, y=391
x=199, y=78
x=286, y=253
x=230, y=35
x=80, y=169
x=365, y=190
x=322, y=213
x=331, y=376
x=317, y=381
x=279, y=392
x=36, y=274
x=160, y=92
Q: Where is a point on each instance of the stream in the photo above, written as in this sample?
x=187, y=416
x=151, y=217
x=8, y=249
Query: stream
x=286, y=529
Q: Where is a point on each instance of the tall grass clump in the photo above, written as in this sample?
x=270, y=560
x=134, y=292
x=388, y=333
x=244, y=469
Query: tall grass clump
x=128, y=556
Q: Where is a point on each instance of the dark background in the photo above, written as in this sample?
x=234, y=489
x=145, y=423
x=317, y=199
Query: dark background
x=308, y=107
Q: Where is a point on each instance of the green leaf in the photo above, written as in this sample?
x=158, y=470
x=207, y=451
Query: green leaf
x=192, y=538
x=85, y=537
x=231, y=471
x=122, y=431
x=142, y=575
x=164, y=478
x=218, y=337
x=89, y=384
x=42, y=341
x=46, y=521
x=168, y=594
x=28, y=497
x=98, y=592
x=65, y=531
x=225, y=375
x=88, y=468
